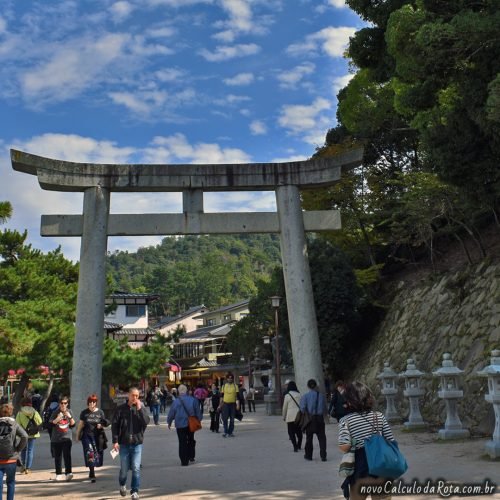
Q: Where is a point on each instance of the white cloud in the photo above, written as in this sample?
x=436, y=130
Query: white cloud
x=3, y=25
x=226, y=52
x=308, y=121
x=338, y=4
x=177, y=3
x=121, y=10
x=164, y=32
x=176, y=146
x=341, y=81
x=72, y=68
x=332, y=40
x=299, y=118
x=240, y=79
x=169, y=74
x=257, y=127
x=290, y=79
x=231, y=100
x=290, y=158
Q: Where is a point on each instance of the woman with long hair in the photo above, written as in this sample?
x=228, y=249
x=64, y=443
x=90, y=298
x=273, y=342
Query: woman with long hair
x=289, y=411
x=360, y=423
x=91, y=433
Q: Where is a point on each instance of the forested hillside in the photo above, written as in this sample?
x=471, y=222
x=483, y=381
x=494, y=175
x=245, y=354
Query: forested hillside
x=192, y=270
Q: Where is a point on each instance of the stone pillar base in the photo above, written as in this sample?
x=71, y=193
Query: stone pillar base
x=415, y=426
x=453, y=434
x=492, y=448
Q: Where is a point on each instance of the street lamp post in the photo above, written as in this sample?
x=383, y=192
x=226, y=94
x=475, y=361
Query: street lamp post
x=275, y=301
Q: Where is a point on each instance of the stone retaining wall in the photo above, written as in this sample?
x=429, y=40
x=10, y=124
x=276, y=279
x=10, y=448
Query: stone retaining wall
x=456, y=312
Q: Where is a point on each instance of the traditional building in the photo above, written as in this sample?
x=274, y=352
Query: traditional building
x=130, y=312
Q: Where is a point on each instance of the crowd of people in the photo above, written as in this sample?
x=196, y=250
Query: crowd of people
x=350, y=404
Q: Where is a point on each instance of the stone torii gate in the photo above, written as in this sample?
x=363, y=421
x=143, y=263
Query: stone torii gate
x=97, y=181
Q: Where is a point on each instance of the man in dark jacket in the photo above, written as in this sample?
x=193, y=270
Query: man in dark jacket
x=129, y=423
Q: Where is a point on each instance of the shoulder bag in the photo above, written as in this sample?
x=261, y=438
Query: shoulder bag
x=194, y=423
x=383, y=456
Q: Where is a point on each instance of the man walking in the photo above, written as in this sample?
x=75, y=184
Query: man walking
x=229, y=403
x=129, y=423
x=315, y=403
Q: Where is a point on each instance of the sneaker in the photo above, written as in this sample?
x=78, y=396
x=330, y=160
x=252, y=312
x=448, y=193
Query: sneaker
x=123, y=491
x=231, y=435
x=60, y=477
x=135, y=496
x=69, y=476
x=27, y=471
x=224, y=435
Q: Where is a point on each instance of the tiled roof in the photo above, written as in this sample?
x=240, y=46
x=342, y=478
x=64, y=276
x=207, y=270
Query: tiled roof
x=206, y=333
x=125, y=295
x=225, y=308
x=172, y=319
x=130, y=332
x=112, y=326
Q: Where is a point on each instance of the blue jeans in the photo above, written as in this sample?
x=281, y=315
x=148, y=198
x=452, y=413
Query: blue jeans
x=27, y=453
x=10, y=479
x=155, y=410
x=228, y=411
x=130, y=458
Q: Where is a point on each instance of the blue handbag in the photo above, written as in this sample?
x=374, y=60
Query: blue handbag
x=383, y=457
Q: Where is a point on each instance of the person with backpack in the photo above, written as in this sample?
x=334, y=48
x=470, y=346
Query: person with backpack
x=61, y=439
x=13, y=439
x=154, y=400
x=30, y=420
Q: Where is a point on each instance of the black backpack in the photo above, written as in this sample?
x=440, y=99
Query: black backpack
x=7, y=437
x=47, y=412
x=32, y=428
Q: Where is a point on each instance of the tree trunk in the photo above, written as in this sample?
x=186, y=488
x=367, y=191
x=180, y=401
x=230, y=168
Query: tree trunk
x=19, y=394
x=464, y=247
x=47, y=394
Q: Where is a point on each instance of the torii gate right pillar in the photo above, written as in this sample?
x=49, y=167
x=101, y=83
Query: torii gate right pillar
x=299, y=294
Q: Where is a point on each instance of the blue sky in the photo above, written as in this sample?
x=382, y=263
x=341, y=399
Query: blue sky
x=164, y=81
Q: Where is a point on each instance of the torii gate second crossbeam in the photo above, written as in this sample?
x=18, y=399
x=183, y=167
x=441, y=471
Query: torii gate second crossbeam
x=96, y=223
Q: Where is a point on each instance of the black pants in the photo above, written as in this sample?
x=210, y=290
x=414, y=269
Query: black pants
x=214, y=420
x=317, y=426
x=242, y=405
x=62, y=450
x=251, y=403
x=295, y=435
x=187, y=445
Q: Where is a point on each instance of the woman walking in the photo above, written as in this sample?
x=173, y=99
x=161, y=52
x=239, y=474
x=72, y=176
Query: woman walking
x=289, y=412
x=361, y=422
x=30, y=420
x=91, y=433
x=60, y=440
x=183, y=407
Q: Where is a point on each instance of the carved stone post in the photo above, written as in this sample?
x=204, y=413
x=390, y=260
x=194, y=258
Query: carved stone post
x=449, y=375
x=413, y=392
x=389, y=389
x=492, y=371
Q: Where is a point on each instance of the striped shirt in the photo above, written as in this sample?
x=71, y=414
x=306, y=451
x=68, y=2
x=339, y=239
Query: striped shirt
x=354, y=428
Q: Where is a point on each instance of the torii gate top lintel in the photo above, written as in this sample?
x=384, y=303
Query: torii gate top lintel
x=59, y=175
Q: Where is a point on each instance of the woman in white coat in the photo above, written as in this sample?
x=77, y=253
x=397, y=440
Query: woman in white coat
x=289, y=412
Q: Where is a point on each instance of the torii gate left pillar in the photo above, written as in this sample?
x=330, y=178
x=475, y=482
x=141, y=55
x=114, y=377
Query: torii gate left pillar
x=97, y=181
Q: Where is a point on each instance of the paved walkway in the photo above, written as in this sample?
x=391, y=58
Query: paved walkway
x=258, y=463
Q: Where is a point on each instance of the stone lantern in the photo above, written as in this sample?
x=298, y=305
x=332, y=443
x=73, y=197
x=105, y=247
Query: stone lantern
x=388, y=378
x=413, y=391
x=450, y=392
x=492, y=371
